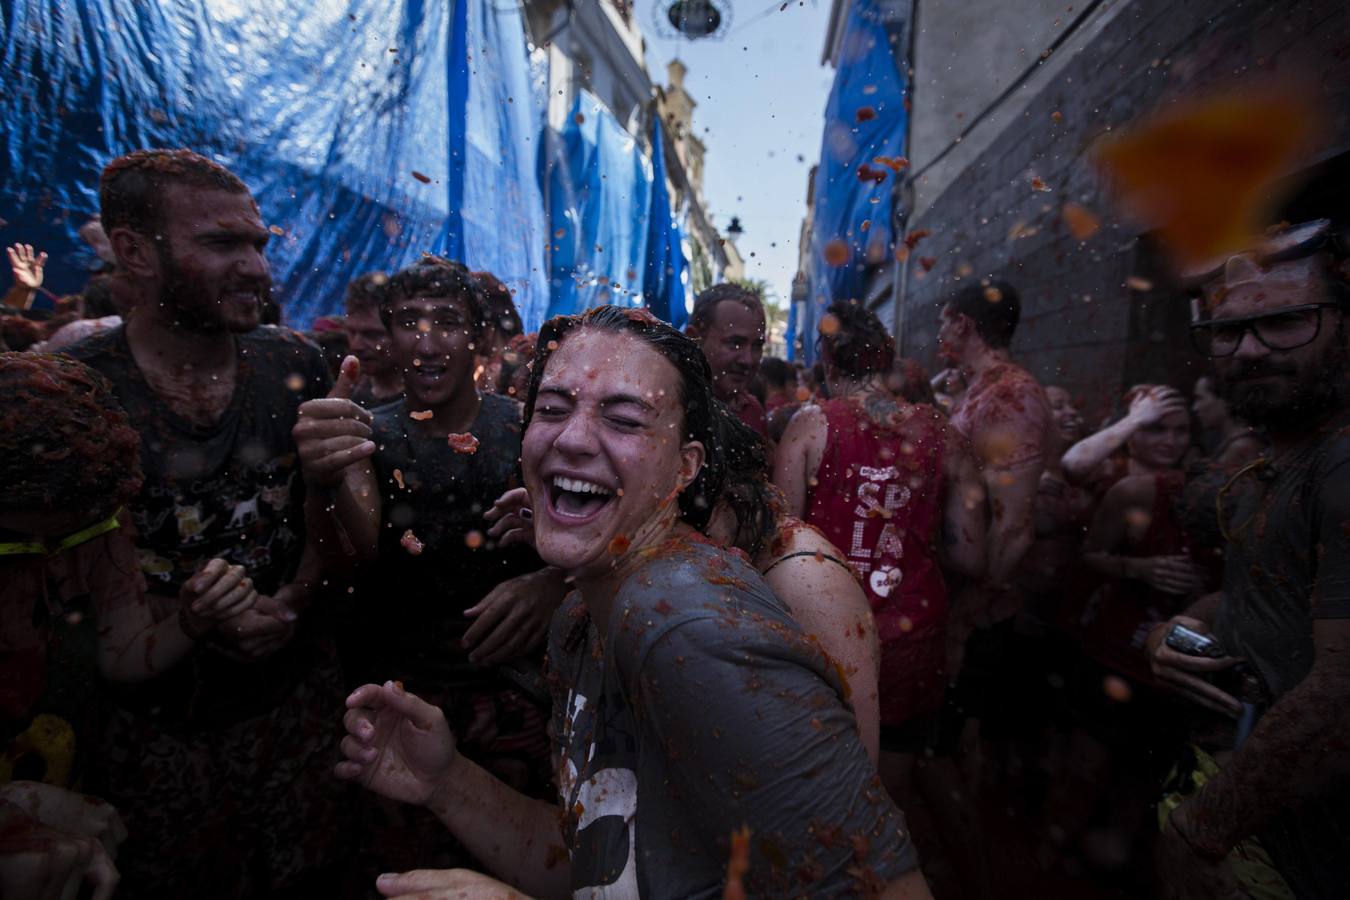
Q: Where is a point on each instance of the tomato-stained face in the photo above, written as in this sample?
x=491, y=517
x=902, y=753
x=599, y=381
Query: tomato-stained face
x=734, y=345
x=1068, y=421
x=369, y=341
x=604, y=456
x=1161, y=444
x=213, y=274
x=954, y=330
x=432, y=339
x=1289, y=360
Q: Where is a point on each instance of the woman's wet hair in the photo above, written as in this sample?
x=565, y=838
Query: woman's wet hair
x=65, y=442
x=696, y=398
x=853, y=340
x=746, y=490
x=1139, y=390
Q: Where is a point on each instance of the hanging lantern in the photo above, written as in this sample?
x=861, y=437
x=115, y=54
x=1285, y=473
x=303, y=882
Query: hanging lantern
x=696, y=19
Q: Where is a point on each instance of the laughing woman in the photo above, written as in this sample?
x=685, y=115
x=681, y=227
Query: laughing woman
x=688, y=705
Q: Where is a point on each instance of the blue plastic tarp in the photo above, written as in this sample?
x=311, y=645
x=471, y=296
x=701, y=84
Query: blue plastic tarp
x=326, y=114
x=664, y=283
x=503, y=206
x=599, y=195
x=865, y=118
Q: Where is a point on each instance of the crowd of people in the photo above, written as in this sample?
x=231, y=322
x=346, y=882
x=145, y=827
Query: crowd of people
x=420, y=604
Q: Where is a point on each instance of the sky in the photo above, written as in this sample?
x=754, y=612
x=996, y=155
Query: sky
x=761, y=95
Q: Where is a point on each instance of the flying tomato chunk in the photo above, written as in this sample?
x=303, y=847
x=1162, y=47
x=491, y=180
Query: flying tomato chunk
x=738, y=863
x=1200, y=172
x=410, y=543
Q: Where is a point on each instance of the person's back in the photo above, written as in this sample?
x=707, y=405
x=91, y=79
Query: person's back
x=878, y=496
x=1005, y=416
x=880, y=478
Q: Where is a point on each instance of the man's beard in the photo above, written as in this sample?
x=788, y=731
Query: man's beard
x=1314, y=393
x=183, y=300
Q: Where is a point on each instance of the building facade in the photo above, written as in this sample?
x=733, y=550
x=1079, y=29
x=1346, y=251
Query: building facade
x=597, y=46
x=1007, y=94
x=1010, y=91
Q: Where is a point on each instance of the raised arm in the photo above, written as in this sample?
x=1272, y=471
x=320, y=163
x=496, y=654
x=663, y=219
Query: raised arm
x=1085, y=458
x=27, y=267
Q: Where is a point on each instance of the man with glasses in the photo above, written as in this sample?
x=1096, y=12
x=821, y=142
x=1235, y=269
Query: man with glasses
x=1276, y=331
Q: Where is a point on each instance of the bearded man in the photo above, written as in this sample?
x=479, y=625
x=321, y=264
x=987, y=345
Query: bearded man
x=1276, y=331
x=219, y=763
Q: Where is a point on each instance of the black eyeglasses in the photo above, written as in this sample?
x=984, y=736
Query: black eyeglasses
x=1283, y=329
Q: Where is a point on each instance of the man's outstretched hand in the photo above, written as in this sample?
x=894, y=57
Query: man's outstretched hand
x=397, y=744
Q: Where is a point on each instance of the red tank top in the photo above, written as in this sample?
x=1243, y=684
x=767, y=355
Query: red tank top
x=878, y=496
x=1119, y=616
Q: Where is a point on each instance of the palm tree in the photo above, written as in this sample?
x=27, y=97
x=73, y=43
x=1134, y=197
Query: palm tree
x=775, y=315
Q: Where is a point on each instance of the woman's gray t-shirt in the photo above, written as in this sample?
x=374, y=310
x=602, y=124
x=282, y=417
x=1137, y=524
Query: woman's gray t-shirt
x=705, y=710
